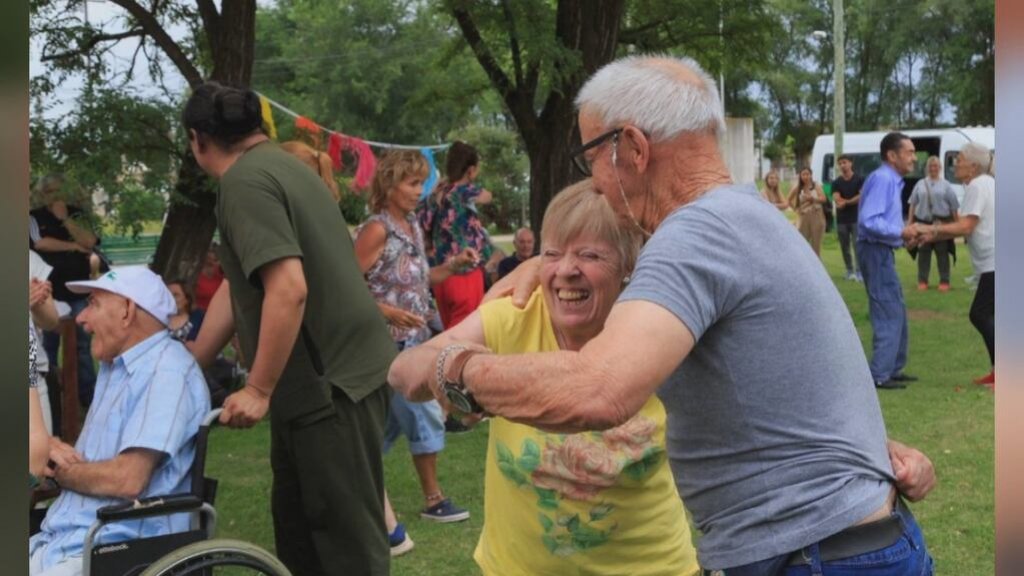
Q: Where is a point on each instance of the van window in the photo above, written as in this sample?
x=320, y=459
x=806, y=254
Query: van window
x=950, y=167
x=863, y=164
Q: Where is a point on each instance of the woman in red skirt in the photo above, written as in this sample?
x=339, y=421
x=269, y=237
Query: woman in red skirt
x=450, y=225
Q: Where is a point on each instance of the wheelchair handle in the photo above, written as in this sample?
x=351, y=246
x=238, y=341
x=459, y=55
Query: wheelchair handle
x=212, y=417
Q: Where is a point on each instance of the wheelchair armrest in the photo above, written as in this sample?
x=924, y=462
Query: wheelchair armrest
x=152, y=506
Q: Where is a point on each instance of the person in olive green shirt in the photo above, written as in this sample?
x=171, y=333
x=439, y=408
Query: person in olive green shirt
x=317, y=345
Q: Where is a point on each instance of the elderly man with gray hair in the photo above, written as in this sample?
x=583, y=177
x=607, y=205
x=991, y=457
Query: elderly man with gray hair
x=523, y=241
x=139, y=436
x=781, y=460
x=976, y=168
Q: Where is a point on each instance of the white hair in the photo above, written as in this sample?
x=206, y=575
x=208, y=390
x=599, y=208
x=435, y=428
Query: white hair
x=654, y=94
x=979, y=155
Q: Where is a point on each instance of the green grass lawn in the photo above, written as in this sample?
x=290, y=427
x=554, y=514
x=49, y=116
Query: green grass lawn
x=943, y=414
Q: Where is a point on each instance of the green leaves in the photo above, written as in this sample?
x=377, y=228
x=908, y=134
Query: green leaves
x=546, y=523
x=909, y=63
x=519, y=469
x=568, y=535
x=546, y=499
x=507, y=465
x=117, y=149
x=530, y=458
x=600, y=512
x=645, y=465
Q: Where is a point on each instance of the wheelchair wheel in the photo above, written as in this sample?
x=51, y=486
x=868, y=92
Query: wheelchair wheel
x=218, y=557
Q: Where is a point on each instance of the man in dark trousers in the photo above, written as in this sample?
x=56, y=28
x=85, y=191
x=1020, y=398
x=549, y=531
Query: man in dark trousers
x=314, y=342
x=846, y=195
x=880, y=232
x=61, y=234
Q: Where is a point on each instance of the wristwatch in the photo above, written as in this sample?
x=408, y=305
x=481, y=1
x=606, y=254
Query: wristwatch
x=451, y=382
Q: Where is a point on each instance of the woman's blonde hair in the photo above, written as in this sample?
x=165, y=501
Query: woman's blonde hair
x=395, y=166
x=579, y=210
x=321, y=163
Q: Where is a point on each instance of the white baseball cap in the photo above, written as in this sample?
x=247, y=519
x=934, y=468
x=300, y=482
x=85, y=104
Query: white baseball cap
x=136, y=283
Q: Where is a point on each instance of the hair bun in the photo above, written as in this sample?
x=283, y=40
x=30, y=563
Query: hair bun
x=238, y=110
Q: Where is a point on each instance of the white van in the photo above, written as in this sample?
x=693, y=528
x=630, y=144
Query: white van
x=862, y=147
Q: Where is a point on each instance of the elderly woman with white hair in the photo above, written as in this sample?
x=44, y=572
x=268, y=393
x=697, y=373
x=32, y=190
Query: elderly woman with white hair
x=975, y=167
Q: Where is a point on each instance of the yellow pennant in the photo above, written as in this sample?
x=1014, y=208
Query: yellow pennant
x=268, y=118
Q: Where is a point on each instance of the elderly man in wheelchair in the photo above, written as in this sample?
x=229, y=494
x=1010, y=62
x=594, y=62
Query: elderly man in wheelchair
x=139, y=438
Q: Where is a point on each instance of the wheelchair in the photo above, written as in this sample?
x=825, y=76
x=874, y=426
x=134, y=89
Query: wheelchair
x=195, y=552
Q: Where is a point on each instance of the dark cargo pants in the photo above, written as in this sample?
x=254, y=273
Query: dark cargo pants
x=328, y=492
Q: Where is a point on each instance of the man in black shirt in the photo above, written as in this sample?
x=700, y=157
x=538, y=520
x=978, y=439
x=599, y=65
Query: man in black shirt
x=63, y=237
x=846, y=195
x=523, y=242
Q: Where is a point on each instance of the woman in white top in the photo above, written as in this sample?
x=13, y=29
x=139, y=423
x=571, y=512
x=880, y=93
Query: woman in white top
x=975, y=167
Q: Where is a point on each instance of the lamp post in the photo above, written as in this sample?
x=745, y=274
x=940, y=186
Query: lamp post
x=839, y=94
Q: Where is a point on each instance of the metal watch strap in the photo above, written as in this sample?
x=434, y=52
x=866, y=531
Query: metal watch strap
x=441, y=359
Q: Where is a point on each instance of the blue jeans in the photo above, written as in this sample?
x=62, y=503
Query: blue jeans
x=422, y=423
x=886, y=308
x=908, y=556
x=86, y=372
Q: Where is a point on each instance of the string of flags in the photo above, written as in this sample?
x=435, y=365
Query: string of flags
x=338, y=142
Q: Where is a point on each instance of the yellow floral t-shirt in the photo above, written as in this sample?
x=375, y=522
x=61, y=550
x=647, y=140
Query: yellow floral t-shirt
x=593, y=503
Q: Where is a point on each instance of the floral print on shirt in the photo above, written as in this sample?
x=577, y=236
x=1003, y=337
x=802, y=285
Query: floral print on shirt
x=452, y=224
x=578, y=467
x=401, y=278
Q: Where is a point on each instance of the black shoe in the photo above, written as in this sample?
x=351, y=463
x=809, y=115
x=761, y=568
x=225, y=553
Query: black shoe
x=901, y=377
x=453, y=426
x=890, y=384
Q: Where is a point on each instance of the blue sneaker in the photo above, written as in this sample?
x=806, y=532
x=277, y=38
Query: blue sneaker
x=444, y=511
x=400, y=541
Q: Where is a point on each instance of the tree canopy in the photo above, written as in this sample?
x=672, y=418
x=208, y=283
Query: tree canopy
x=499, y=73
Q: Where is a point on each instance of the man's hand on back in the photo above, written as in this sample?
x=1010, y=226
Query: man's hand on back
x=915, y=474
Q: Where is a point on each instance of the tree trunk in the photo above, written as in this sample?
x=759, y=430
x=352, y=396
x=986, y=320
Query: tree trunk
x=592, y=28
x=550, y=165
x=189, y=225
x=191, y=222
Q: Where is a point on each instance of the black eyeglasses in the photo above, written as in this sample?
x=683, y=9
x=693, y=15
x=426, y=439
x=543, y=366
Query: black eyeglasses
x=579, y=158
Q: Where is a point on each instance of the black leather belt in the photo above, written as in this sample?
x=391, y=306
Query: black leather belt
x=857, y=540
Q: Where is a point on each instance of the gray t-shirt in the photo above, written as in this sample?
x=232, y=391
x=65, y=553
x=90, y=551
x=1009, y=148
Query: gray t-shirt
x=775, y=433
x=933, y=199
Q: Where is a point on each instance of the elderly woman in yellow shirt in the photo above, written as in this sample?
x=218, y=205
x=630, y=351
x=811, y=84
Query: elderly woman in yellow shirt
x=589, y=503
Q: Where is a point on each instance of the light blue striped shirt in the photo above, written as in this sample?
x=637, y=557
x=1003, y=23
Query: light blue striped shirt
x=151, y=396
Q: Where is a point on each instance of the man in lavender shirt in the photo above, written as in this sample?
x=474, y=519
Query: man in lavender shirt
x=880, y=231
